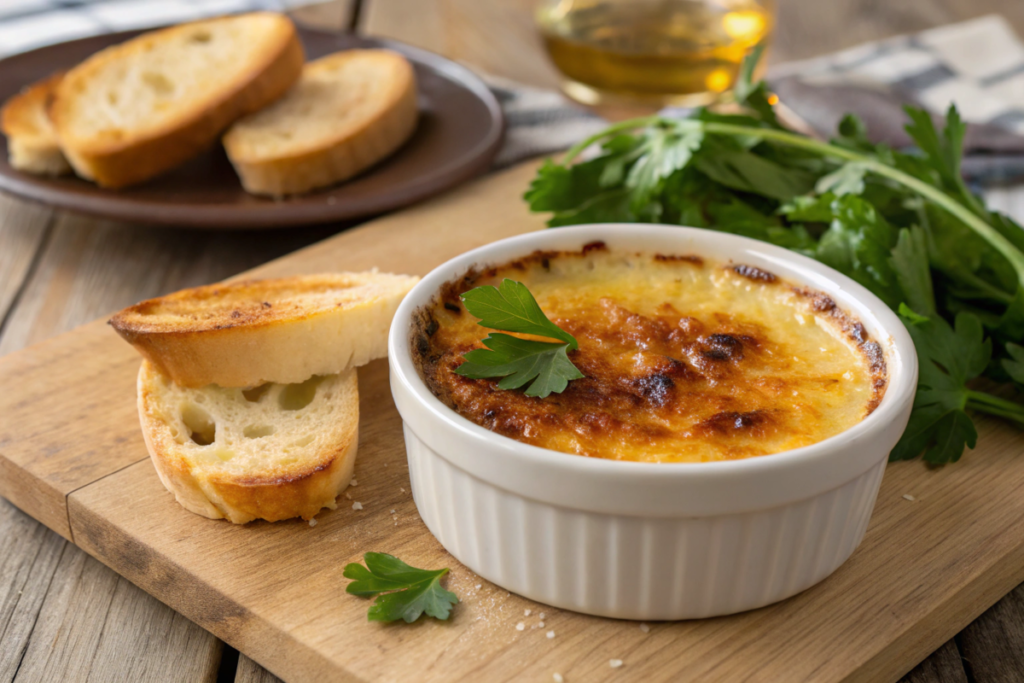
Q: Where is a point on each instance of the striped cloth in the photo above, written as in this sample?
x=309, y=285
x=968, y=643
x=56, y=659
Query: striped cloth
x=979, y=64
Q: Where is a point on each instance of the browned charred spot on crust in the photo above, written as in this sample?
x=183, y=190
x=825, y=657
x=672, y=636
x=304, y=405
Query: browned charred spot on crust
x=422, y=345
x=753, y=273
x=679, y=258
x=822, y=303
x=432, y=327
x=655, y=388
x=545, y=263
x=236, y=314
x=454, y=308
x=267, y=304
x=876, y=357
x=721, y=347
x=729, y=422
x=594, y=246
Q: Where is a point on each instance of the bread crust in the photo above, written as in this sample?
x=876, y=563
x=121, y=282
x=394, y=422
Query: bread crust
x=244, y=334
x=32, y=143
x=341, y=156
x=302, y=492
x=117, y=163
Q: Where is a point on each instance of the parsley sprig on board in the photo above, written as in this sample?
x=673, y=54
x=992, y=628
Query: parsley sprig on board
x=902, y=223
x=403, y=592
x=545, y=366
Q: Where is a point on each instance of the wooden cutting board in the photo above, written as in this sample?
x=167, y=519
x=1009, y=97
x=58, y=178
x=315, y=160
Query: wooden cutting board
x=71, y=455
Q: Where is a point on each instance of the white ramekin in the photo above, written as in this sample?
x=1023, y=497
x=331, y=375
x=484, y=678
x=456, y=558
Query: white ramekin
x=641, y=540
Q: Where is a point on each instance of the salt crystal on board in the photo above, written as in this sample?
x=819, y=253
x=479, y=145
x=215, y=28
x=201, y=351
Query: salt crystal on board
x=357, y=506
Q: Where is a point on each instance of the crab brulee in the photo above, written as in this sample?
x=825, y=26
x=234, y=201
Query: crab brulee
x=684, y=359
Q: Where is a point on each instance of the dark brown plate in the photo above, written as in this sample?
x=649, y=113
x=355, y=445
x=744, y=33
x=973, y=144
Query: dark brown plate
x=459, y=132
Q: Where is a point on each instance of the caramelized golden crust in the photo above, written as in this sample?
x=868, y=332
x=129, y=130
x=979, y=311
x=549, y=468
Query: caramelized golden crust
x=685, y=360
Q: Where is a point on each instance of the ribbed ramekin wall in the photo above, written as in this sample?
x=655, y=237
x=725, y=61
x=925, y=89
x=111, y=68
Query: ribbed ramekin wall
x=635, y=567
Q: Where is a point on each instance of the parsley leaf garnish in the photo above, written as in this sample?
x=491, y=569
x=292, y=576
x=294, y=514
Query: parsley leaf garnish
x=403, y=592
x=512, y=308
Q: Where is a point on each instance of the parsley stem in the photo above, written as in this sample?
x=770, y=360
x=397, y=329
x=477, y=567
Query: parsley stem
x=970, y=218
x=993, y=405
x=952, y=206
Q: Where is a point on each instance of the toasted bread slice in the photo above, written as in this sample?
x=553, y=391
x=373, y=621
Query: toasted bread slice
x=273, y=452
x=135, y=110
x=347, y=112
x=32, y=144
x=247, y=333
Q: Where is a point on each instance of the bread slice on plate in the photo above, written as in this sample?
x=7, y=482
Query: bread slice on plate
x=347, y=112
x=32, y=144
x=272, y=452
x=134, y=110
x=287, y=330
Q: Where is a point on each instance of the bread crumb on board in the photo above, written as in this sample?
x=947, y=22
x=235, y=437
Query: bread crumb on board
x=520, y=626
x=551, y=634
x=615, y=663
x=645, y=628
x=312, y=522
x=558, y=678
x=907, y=496
x=357, y=505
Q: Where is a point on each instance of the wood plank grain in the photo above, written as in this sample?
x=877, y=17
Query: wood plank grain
x=29, y=553
x=959, y=546
x=23, y=229
x=251, y=672
x=96, y=626
x=943, y=666
x=993, y=645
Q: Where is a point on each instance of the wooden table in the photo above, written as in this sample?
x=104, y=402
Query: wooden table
x=63, y=615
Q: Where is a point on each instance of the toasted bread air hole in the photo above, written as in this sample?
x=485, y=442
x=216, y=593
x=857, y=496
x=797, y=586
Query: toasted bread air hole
x=298, y=396
x=202, y=429
x=200, y=37
x=256, y=393
x=258, y=431
x=160, y=84
x=303, y=442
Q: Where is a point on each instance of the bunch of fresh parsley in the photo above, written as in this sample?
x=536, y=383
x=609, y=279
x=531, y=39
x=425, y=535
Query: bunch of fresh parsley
x=903, y=224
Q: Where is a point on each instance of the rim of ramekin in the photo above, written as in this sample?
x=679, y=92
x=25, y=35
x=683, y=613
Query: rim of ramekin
x=900, y=356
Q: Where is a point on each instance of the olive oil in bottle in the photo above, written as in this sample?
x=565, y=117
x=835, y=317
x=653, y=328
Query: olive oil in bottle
x=654, y=51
